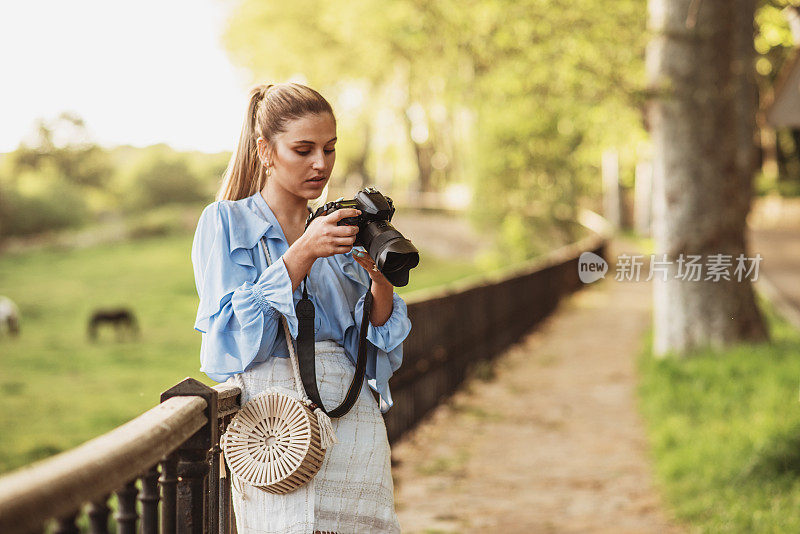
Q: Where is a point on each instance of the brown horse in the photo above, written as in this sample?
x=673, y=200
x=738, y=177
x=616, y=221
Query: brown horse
x=122, y=319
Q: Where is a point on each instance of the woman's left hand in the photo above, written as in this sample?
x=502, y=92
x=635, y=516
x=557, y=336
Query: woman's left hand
x=382, y=289
x=366, y=261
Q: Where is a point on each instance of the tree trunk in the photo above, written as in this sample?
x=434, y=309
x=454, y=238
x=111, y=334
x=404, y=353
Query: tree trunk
x=359, y=165
x=702, y=116
x=423, y=153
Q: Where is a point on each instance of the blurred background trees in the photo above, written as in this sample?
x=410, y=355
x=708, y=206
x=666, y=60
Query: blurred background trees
x=774, y=44
x=514, y=101
x=510, y=104
x=49, y=182
x=60, y=179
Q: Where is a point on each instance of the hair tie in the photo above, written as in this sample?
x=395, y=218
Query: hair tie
x=264, y=90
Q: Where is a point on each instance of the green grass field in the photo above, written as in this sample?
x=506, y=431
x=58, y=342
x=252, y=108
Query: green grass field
x=724, y=429
x=58, y=388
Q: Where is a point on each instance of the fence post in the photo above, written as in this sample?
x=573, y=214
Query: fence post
x=148, y=498
x=169, y=484
x=196, y=506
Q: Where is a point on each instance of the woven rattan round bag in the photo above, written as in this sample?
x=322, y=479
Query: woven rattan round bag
x=273, y=443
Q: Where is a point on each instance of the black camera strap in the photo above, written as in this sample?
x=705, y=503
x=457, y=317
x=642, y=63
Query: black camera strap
x=306, y=356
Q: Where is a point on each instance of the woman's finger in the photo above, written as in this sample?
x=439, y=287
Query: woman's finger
x=338, y=215
x=343, y=231
x=368, y=266
x=344, y=241
x=365, y=264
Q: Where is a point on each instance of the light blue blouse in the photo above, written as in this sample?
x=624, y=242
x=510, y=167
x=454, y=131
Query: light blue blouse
x=242, y=300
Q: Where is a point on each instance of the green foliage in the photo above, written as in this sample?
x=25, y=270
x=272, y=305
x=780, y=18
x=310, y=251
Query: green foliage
x=209, y=170
x=774, y=46
x=57, y=205
x=773, y=40
x=724, y=429
x=50, y=184
x=62, y=180
x=518, y=98
x=84, y=166
x=136, y=169
x=169, y=219
x=63, y=145
x=164, y=180
x=556, y=91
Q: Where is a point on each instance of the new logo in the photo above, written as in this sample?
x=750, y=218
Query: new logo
x=591, y=267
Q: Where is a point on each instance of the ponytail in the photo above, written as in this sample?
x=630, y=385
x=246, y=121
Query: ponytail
x=266, y=117
x=245, y=174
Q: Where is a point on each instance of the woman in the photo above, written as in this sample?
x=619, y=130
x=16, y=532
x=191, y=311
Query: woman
x=284, y=160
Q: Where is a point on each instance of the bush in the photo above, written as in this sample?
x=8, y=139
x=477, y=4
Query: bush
x=163, y=221
x=60, y=206
x=165, y=180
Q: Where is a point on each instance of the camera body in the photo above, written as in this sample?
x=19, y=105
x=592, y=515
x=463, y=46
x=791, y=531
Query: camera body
x=373, y=205
x=394, y=255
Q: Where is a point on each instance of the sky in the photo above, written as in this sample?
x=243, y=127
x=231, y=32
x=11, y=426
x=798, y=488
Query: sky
x=137, y=72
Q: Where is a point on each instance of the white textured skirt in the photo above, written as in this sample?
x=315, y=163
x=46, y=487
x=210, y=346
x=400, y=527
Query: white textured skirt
x=353, y=490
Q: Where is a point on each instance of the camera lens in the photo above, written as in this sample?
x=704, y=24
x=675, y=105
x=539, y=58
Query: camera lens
x=396, y=259
x=395, y=262
x=394, y=254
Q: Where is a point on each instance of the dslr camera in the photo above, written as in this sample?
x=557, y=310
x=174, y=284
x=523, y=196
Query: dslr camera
x=394, y=255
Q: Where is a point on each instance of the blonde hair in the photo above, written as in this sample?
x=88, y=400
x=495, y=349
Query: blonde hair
x=269, y=108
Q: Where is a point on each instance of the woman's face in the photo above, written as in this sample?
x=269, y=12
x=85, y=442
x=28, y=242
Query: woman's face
x=303, y=155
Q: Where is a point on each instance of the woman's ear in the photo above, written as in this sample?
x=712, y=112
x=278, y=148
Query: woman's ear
x=264, y=151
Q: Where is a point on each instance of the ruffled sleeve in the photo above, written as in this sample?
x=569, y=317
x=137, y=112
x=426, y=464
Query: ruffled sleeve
x=239, y=309
x=393, y=332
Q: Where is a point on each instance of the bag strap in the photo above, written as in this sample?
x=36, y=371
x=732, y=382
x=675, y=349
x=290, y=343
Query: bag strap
x=298, y=385
x=304, y=362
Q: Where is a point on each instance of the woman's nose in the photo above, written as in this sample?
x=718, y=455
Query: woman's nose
x=318, y=161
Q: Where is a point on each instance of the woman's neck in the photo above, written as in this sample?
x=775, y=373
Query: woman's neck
x=290, y=210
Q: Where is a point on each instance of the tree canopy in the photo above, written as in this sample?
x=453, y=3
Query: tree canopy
x=516, y=98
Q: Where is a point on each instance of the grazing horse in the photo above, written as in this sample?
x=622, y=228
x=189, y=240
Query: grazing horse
x=9, y=316
x=122, y=319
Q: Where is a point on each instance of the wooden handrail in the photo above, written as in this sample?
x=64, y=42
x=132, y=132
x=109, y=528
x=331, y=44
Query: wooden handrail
x=59, y=485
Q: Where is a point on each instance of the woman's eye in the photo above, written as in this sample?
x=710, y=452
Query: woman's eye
x=307, y=152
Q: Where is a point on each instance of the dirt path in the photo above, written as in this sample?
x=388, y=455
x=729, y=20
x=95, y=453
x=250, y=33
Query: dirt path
x=780, y=251
x=552, y=442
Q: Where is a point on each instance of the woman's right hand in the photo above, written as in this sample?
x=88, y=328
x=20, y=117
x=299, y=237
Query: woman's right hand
x=324, y=237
